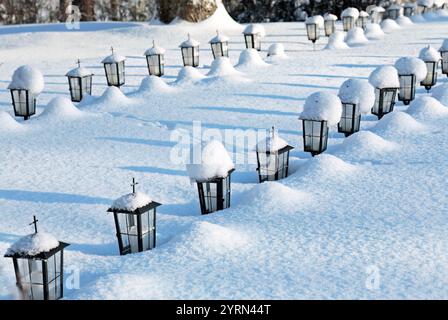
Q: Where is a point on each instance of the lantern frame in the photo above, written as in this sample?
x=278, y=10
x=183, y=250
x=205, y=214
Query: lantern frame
x=382, y=106
x=393, y=13
x=135, y=218
x=74, y=81
x=329, y=27
x=220, y=49
x=362, y=22
x=155, y=64
x=253, y=41
x=190, y=56
x=319, y=130
x=25, y=108
x=348, y=23
x=41, y=263
x=408, y=11
x=431, y=78
x=350, y=119
x=281, y=168
x=310, y=28
x=406, y=92
x=422, y=9
x=216, y=198
x=119, y=69
x=377, y=17
x=444, y=54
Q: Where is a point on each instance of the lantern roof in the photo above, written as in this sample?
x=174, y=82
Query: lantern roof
x=215, y=163
x=114, y=58
x=27, y=78
x=154, y=50
x=79, y=72
x=272, y=143
x=319, y=20
x=219, y=38
x=190, y=42
x=37, y=245
x=429, y=54
x=255, y=29
x=350, y=12
x=363, y=14
x=331, y=17
x=377, y=9
x=444, y=46
x=359, y=92
x=411, y=65
x=384, y=77
x=322, y=106
x=131, y=202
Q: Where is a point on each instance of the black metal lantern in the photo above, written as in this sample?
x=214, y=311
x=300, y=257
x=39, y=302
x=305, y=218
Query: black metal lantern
x=384, y=101
x=377, y=14
x=155, y=59
x=313, y=31
x=329, y=26
x=24, y=103
x=422, y=9
x=214, y=194
x=444, y=54
x=408, y=10
x=407, y=88
x=252, y=37
x=315, y=136
x=190, y=52
x=362, y=20
x=431, y=76
x=393, y=12
x=348, y=22
x=39, y=276
x=350, y=119
x=273, y=165
x=80, y=83
x=136, y=228
x=114, y=68
x=220, y=46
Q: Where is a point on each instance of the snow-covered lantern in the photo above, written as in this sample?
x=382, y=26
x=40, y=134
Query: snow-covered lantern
x=252, y=36
x=190, y=52
x=357, y=97
x=349, y=17
x=330, y=24
x=27, y=83
x=424, y=6
x=444, y=54
x=38, y=265
x=80, y=82
x=312, y=28
x=321, y=111
x=273, y=157
x=213, y=177
x=386, y=83
x=393, y=11
x=377, y=14
x=114, y=68
x=362, y=19
x=220, y=45
x=135, y=221
x=431, y=57
x=408, y=9
x=155, y=59
x=410, y=70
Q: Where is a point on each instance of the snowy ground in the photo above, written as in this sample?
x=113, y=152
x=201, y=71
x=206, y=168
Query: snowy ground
x=376, y=202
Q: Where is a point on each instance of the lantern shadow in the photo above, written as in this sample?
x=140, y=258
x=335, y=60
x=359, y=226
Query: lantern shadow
x=300, y=85
x=61, y=27
x=105, y=249
x=269, y=96
x=310, y=75
x=165, y=171
x=353, y=65
x=147, y=142
x=50, y=197
x=248, y=111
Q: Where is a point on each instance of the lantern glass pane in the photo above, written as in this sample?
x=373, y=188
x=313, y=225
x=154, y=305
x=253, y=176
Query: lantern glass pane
x=148, y=229
x=393, y=14
x=210, y=194
x=128, y=232
x=253, y=41
x=348, y=23
x=350, y=118
x=220, y=49
x=86, y=85
x=268, y=166
x=315, y=134
x=75, y=88
x=431, y=76
x=329, y=26
x=312, y=30
x=54, y=276
x=407, y=87
x=115, y=73
x=24, y=103
x=155, y=64
x=191, y=56
x=408, y=11
x=444, y=62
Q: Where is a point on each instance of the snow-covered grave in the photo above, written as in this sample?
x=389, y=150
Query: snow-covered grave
x=373, y=204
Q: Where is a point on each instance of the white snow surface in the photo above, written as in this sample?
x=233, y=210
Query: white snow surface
x=404, y=21
x=276, y=49
x=340, y=215
x=330, y=16
x=322, y=106
x=33, y=244
x=189, y=74
x=8, y=124
x=384, y=77
x=337, y=41
x=60, y=108
x=426, y=3
x=250, y=59
x=444, y=46
x=28, y=78
x=153, y=85
x=373, y=31
x=389, y=26
x=426, y=107
x=441, y=93
x=356, y=37
x=363, y=14
x=429, y=53
x=131, y=201
x=359, y=92
x=350, y=12
x=411, y=65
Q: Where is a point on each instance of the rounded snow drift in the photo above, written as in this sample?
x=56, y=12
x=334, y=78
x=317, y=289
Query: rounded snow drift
x=389, y=26
x=277, y=50
x=222, y=67
x=373, y=31
x=427, y=108
x=113, y=95
x=250, y=58
x=356, y=37
x=411, y=65
x=404, y=21
x=189, y=74
x=398, y=124
x=60, y=108
x=441, y=93
x=154, y=84
x=336, y=41
x=8, y=123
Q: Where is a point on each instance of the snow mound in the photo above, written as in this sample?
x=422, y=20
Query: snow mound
x=427, y=108
x=350, y=12
x=222, y=67
x=444, y=46
x=373, y=31
x=336, y=41
x=411, y=65
x=429, y=54
x=322, y=106
x=319, y=20
x=418, y=18
x=250, y=58
x=330, y=17
x=441, y=93
x=404, y=21
x=8, y=123
x=325, y=165
x=131, y=201
x=389, y=26
x=365, y=145
x=356, y=37
x=28, y=78
x=215, y=163
x=255, y=29
x=398, y=123
x=154, y=84
x=277, y=50
x=384, y=77
x=113, y=95
x=33, y=244
x=189, y=74
x=61, y=108
x=359, y=92
x=272, y=143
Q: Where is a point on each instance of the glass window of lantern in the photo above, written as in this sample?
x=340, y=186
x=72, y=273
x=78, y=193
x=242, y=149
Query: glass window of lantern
x=148, y=230
x=315, y=135
x=444, y=62
x=329, y=26
x=350, y=119
x=312, y=31
x=268, y=166
x=210, y=195
x=75, y=88
x=407, y=87
x=431, y=76
x=155, y=64
x=86, y=84
x=24, y=102
x=226, y=188
x=54, y=276
x=128, y=232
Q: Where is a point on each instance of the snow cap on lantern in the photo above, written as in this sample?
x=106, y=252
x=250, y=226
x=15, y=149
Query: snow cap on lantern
x=350, y=12
x=322, y=106
x=27, y=78
x=384, y=77
x=155, y=49
x=80, y=82
x=359, y=92
x=255, y=29
x=276, y=49
x=155, y=60
x=329, y=24
x=411, y=65
x=252, y=36
x=330, y=17
x=272, y=143
x=430, y=54
x=79, y=72
x=444, y=46
x=114, y=58
x=33, y=245
x=190, y=52
x=131, y=201
x=219, y=45
x=386, y=82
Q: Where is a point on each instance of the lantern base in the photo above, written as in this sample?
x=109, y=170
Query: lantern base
x=26, y=118
x=406, y=102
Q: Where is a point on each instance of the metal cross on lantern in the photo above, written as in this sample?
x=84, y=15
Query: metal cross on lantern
x=35, y=221
x=133, y=185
